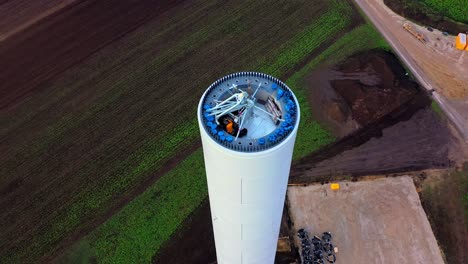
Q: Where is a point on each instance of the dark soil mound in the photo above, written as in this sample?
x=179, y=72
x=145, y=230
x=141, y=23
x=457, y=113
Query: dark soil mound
x=373, y=84
x=418, y=12
x=362, y=90
x=421, y=142
x=388, y=125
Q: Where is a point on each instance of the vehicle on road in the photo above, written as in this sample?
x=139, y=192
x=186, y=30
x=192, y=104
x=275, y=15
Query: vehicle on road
x=413, y=32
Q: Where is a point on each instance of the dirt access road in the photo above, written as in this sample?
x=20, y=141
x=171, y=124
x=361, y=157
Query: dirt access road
x=437, y=66
x=376, y=221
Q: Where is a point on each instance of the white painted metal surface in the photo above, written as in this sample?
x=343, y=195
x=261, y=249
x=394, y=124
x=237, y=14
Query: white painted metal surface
x=246, y=192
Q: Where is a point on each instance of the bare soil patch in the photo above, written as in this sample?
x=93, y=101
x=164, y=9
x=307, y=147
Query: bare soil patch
x=20, y=14
x=383, y=118
x=377, y=221
x=443, y=197
x=360, y=91
x=373, y=84
x=421, y=142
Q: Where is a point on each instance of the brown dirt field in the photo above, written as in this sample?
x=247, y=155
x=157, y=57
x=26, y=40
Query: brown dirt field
x=376, y=221
x=443, y=197
x=64, y=39
x=421, y=142
x=20, y=14
x=328, y=107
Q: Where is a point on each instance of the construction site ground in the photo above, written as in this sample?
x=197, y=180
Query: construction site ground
x=361, y=90
x=383, y=119
x=363, y=220
x=438, y=59
x=422, y=142
x=437, y=65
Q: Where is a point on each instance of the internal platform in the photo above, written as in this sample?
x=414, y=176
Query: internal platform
x=249, y=111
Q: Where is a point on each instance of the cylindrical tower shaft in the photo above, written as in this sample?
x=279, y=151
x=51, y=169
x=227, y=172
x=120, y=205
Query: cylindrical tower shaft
x=247, y=189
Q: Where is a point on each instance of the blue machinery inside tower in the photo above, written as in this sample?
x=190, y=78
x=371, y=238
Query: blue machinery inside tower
x=249, y=111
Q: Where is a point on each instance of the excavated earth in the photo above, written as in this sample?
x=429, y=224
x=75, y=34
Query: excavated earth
x=422, y=142
x=359, y=92
x=382, y=119
x=372, y=85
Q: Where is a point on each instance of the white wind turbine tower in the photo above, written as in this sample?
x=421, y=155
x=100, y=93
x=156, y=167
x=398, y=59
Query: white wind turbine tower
x=248, y=124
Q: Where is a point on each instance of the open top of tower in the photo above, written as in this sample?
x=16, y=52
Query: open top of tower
x=248, y=111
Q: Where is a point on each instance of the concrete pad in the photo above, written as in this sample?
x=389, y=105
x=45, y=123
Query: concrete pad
x=375, y=221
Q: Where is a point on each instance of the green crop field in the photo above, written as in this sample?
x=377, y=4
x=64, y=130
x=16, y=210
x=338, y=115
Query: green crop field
x=454, y=9
x=436, y=108
x=141, y=228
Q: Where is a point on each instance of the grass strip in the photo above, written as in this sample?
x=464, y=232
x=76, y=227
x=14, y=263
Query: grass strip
x=454, y=9
x=436, y=108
